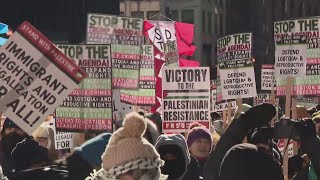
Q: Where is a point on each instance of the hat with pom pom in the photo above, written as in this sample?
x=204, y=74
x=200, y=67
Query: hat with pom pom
x=128, y=150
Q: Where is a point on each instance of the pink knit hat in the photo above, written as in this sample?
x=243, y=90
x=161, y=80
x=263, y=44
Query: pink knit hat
x=128, y=150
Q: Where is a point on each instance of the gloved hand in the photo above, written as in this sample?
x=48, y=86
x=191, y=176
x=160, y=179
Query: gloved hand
x=258, y=115
x=306, y=127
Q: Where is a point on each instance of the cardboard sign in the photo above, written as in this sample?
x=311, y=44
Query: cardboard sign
x=186, y=98
x=162, y=32
x=307, y=85
x=291, y=60
x=267, y=77
x=171, y=52
x=146, y=94
x=35, y=77
x=107, y=29
x=235, y=66
x=125, y=66
x=238, y=83
x=292, y=38
x=219, y=106
x=63, y=140
x=89, y=106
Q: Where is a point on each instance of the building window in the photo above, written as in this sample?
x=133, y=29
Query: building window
x=209, y=22
x=203, y=21
x=152, y=13
x=137, y=14
x=187, y=16
x=121, y=13
x=174, y=15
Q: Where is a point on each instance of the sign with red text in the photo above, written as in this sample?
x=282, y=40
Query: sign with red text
x=146, y=94
x=235, y=66
x=186, y=98
x=125, y=66
x=107, y=29
x=306, y=34
x=267, y=77
x=89, y=106
x=35, y=77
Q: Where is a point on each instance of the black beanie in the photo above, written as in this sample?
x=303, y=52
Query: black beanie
x=27, y=153
x=245, y=162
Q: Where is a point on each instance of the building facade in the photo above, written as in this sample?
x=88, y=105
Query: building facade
x=143, y=9
x=207, y=16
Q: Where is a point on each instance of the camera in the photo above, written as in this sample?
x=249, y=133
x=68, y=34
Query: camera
x=287, y=128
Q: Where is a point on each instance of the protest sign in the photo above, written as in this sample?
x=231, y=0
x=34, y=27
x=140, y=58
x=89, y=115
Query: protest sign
x=162, y=32
x=125, y=66
x=171, y=52
x=146, y=94
x=267, y=77
x=89, y=106
x=35, y=77
x=219, y=106
x=292, y=38
x=308, y=102
x=238, y=83
x=261, y=98
x=281, y=145
x=307, y=85
x=63, y=140
x=107, y=29
x=236, y=67
x=186, y=98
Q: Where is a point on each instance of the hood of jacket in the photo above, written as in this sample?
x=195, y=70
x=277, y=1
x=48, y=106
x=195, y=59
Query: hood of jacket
x=175, y=145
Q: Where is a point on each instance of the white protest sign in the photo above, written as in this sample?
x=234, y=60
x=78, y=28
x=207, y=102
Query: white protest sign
x=267, y=77
x=224, y=106
x=291, y=60
x=35, y=77
x=291, y=43
x=107, y=29
x=63, y=140
x=162, y=32
x=261, y=98
x=238, y=83
x=186, y=98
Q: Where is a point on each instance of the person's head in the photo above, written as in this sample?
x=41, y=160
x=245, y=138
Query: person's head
x=10, y=127
x=41, y=135
x=199, y=141
x=129, y=151
x=174, y=151
x=92, y=150
x=316, y=119
x=11, y=135
x=302, y=112
x=262, y=138
x=29, y=154
x=246, y=162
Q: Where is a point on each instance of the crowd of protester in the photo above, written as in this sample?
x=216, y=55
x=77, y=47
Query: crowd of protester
x=138, y=150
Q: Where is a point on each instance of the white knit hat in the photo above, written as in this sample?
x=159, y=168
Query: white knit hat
x=128, y=150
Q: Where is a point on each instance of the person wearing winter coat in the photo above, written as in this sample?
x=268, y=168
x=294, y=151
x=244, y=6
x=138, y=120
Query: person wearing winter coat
x=232, y=160
x=199, y=142
x=11, y=135
x=179, y=164
x=128, y=155
x=32, y=162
